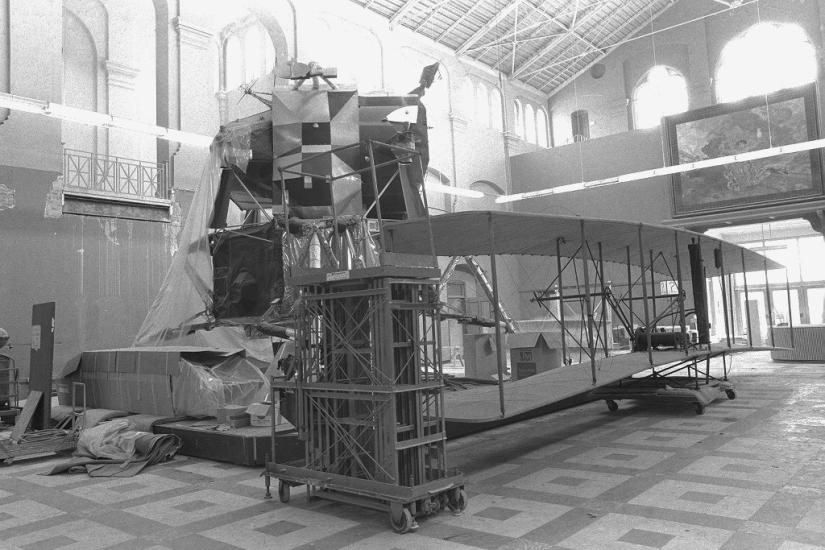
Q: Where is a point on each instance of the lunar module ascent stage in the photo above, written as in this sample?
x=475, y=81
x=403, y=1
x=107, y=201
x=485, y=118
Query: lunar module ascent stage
x=316, y=179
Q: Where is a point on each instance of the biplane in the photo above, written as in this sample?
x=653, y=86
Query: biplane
x=312, y=224
x=644, y=282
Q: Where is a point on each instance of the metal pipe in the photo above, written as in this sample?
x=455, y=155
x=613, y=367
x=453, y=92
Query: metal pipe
x=630, y=294
x=768, y=300
x=604, y=301
x=588, y=304
x=560, y=240
x=790, y=311
x=374, y=175
x=680, y=291
x=644, y=293
x=747, y=301
x=653, y=287
x=497, y=306
x=724, y=293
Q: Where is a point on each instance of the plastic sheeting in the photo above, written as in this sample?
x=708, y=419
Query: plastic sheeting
x=185, y=296
x=201, y=390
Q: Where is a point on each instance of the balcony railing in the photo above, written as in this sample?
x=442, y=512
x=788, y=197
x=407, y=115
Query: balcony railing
x=114, y=176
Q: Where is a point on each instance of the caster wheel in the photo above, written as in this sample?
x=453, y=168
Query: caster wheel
x=731, y=394
x=283, y=491
x=458, y=500
x=403, y=524
x=612, y=406
x=700, y=409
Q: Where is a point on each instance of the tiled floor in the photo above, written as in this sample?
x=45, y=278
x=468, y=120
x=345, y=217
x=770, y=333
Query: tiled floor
x=749, y=474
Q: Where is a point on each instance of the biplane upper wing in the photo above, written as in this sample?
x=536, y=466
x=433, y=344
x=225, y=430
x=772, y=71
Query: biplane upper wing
x=485, y=232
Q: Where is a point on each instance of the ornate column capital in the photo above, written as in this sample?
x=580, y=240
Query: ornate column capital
x=193, y=35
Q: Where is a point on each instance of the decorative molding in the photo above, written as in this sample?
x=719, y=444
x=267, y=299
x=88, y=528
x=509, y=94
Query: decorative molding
x=193, y=35
x=120, y=75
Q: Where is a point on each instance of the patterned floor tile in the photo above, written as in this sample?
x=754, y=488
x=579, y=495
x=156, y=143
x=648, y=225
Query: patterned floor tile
x=624, y=532
x=409, y=541
x=577, y=483
x=742, y=469
x=617, y=457
x=22, y=512
x=702, y=498
x=508, y=517
x=127, y=488
x=61, y=480
x=674, y=440
x=213, y=470
x=493, y=472
x=547, y=451
x=191, y=507
x=791, y=545
x=283, y=528
x=814, y=520
x=75, y=535
x=695, y=424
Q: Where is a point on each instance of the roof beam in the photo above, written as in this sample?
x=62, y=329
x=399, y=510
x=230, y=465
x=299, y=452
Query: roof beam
x=455, y=23
x=607, y=51
x=488, y=26
x=432, y=11
x=552, y=44
x=404, y=10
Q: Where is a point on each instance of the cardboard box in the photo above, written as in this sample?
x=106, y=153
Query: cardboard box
x=260, y=414
x=136, y=380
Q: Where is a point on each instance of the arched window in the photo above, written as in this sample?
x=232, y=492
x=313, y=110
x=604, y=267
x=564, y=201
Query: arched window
x=580, y=123
x=529, y=123
x=518, y=118
x=495, y=109
x=248, y=53
x=482, y=105
x=542, y=127
x=660, y=92
x=767, y=57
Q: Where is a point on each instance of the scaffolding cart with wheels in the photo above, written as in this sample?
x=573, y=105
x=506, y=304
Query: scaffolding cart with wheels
x=368, y=392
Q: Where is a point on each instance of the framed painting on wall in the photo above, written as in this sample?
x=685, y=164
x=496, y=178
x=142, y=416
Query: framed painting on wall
x=782, y=118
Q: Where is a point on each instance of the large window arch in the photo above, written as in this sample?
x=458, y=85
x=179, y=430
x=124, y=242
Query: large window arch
x=542, y=127
x=482, y=105
x=248, y=53
x=660, y=92
x=518, y=118
x=529, y=123
x=768, y=56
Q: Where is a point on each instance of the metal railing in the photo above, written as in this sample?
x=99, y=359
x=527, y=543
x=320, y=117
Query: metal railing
x=110, y=174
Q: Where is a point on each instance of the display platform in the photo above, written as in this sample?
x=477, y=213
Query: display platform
x=246, y=446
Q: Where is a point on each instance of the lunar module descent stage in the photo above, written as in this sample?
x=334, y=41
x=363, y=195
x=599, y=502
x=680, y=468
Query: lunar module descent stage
x=316, y=178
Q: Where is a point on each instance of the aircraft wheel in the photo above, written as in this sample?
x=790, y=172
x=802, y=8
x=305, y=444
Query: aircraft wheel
x=612, y=406
x=8, y=461
x=458, y=500
x=700, y=409
x=283, y=491
x=731, y=394
x=404, y=523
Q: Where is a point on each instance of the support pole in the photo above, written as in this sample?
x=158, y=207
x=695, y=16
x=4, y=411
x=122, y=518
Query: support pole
x=630, y=295
x=724, y=294
x=497, y=306
x=700, y=301
x=644, y=296
x=374, y=177
x=680, y=289
x=560, y=240
x=653, y=287
x=790, y=311
x=747, y=301
x=768, y=300
x=588, y=304
x=604, y=302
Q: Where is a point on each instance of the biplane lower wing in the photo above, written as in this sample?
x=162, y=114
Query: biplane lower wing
x=477, y=409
